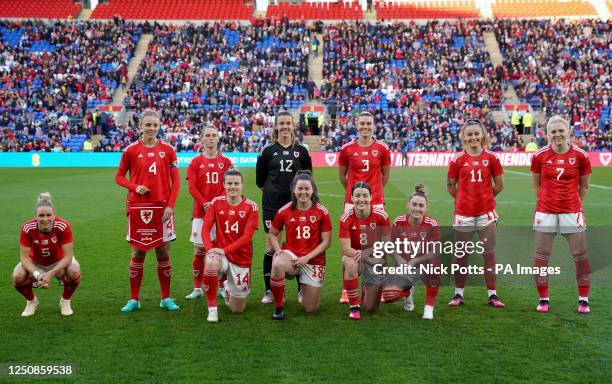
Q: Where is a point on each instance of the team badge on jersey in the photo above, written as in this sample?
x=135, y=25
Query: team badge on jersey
x=162, y=154
x=313, y=219
x=296, y=154
x=423, y=235
x=485, y=163
x=146, y=215
x=54, y=239
x=375, y=152
x=242, y=214
x=373, y=225
x=221, y=165
x=572, y=160
x=268, y=223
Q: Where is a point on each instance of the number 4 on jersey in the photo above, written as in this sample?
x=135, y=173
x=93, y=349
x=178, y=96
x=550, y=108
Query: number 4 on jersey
x=153, y=168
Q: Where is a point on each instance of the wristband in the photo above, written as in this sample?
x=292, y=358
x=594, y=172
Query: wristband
x=36, y=275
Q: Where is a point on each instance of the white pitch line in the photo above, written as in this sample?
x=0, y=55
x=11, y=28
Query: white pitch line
x=591, y=184
x=518, y=173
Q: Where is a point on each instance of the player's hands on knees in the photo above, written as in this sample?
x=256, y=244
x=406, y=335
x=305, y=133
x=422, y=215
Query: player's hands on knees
x=167, y=214
x=141, y=190
x=215, y=253
x=44, y=280
x=300, y=262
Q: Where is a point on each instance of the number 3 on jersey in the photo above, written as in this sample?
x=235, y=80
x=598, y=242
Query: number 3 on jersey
x=366, y=165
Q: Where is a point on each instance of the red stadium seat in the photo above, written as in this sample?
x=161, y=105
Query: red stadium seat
x=175, y=9
x=34, y=9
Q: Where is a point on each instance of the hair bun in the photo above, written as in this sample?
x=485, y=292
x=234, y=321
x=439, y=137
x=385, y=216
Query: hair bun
x=45, y=196
x=420, y=188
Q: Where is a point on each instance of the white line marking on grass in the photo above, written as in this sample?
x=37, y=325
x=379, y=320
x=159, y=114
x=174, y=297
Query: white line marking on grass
x=519, y=173
x=601, y=186
x=591, y=184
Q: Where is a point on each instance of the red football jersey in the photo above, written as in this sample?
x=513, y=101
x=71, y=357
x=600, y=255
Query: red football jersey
x=149, y=167
x=365, y=164
x=560, y=179
x=429, y=230
x=364, y=232
x=235, y=225
x=205, y=179
x=303, y=229
x=475, y=176
x=46, y=248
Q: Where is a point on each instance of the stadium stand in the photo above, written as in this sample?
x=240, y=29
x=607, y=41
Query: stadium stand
x=541, y=8
x=51, y=74
x=564, y=67
x=420, y=79
x=415, y=78
x=235, y=77
x=174, y=10
x=34, y=9
x=430, y=10
x=316, y=11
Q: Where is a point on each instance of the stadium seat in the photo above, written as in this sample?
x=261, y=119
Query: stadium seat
x=48, y=9
x=175, y=10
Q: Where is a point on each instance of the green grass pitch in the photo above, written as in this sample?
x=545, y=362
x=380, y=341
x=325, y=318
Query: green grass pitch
x=474, y=343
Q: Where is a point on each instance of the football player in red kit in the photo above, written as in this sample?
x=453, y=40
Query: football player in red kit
x=560, y=174
x=360, y=228
x=154, y=177
x=205, y=179
x=231, y=252
x=364, y=159
x=45, y=244
x=416, y=227
x=307, y=226
x=475, y=177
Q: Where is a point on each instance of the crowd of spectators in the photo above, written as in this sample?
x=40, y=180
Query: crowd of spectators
x=233, y=76
x=564, y=68
x=420, y=81
x=52, y=73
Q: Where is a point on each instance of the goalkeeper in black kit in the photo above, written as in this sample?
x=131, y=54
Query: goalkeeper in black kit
x=277, y=164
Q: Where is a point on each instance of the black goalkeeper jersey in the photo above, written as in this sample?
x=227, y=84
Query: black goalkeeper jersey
x=276, y=167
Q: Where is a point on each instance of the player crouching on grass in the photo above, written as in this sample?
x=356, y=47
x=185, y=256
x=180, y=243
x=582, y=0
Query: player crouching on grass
x=231, y=252
x=560, y=174
x=416, y=227
x=360, y=228
x=45, y=245
x=307, y=226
